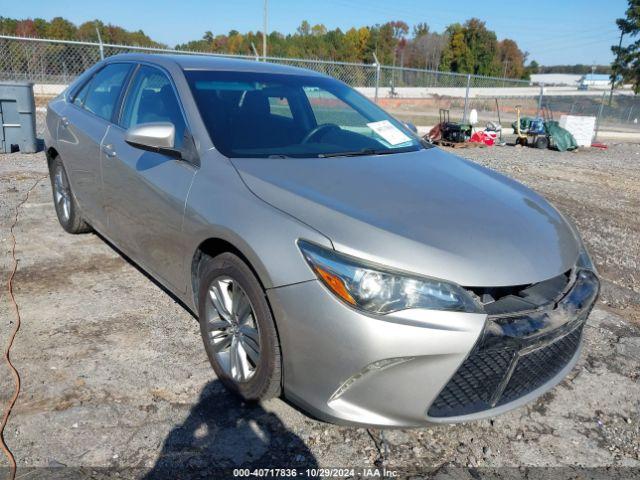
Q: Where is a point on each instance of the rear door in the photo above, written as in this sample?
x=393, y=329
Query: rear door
x=146, y=191
x=83, y=125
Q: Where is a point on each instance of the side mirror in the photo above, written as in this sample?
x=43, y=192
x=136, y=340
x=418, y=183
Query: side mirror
x=411, y=127
x=155, y=137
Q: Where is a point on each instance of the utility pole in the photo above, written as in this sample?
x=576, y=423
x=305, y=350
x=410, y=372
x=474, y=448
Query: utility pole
x=615, y=70
x=264, y=31
x=255, y=51
x=101, y=47
x=504, y=70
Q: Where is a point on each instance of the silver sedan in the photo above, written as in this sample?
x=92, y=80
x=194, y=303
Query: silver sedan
x=330, y=255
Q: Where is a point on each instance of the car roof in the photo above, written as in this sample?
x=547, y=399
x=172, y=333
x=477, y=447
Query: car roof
x=209, y=62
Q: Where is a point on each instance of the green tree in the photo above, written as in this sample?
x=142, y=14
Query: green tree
x=61, y=28
x=627, y=58
x=483, y=46
x=420, y=29
x=532, y=68
x=8, y=26
x=457, y=56
x=304, y=29
x=472, y=48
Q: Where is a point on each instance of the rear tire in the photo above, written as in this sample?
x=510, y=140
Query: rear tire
x=255, y=374
x=64, y=201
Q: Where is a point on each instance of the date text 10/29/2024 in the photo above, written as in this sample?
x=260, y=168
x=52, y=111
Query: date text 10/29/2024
x=316, y=472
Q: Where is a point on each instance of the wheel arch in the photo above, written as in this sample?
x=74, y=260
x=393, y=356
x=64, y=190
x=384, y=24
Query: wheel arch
x=51, y=153
x=216, y=245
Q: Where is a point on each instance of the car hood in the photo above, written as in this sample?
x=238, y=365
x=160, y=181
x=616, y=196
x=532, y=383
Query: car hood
x=426, y=212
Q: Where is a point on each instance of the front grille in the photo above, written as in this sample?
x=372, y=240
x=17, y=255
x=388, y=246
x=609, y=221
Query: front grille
x=541, y=365
x=479, y=383
x=474, y=384
x=518, y=354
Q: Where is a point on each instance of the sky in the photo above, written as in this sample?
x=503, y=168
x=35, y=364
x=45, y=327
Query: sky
x=552, y=31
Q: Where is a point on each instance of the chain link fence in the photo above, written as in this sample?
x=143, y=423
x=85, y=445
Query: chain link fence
x=413, y=95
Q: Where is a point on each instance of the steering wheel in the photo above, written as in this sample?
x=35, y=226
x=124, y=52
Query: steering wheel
x=320, y=129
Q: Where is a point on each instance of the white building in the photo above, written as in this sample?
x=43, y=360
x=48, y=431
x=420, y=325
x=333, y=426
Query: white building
x=595, y=80
x=556, y=79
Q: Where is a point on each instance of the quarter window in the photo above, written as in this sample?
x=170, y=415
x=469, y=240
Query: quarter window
x=104, y=90
x=152, y=99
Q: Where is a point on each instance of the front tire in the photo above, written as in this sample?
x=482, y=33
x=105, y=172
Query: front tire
x=64, y=201
x=237, y=328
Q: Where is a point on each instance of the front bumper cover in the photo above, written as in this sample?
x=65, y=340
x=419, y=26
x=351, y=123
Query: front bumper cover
x=348, y=367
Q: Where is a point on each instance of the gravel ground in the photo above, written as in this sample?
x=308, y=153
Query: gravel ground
x=114, y=374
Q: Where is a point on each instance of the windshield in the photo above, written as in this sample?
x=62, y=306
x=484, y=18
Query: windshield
x=251, y=114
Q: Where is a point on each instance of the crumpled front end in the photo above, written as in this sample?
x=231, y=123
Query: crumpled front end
x=519, y=355
x=421, y=366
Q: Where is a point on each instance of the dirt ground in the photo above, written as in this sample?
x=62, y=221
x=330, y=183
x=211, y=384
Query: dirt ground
x=115, y=379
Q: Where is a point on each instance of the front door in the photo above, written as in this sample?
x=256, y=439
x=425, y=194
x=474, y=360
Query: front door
x=146, y=191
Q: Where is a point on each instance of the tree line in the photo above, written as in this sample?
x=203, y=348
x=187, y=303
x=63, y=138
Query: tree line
x=464, y=48
x=468, y=47
x=61, y=29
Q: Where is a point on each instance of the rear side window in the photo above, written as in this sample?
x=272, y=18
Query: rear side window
x=151, y=98
x=104, y=90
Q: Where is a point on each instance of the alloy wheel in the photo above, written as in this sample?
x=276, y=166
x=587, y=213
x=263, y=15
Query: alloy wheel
x=232, y=328
x=62, y=193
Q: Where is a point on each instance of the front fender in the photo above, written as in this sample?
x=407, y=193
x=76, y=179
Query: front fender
x=220, y=206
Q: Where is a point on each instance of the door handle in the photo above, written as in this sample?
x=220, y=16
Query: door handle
x=64, y=121
x=109, y=151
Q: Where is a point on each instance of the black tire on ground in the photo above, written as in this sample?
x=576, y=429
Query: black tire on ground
x=541, y=142
x=71, y=222
x=522, y=141
x=266, y=381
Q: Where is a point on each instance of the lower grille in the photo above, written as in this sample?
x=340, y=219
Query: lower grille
x=517, y=355
x=474, y=384
x=478, y=383
x=536, y=368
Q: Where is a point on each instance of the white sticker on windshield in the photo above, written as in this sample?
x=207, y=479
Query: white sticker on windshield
x=389, y=132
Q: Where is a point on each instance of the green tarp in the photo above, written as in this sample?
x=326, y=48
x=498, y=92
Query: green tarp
x=560, y=138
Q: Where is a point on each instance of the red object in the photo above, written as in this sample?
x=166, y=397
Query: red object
x=484, y=136
x=603, y=146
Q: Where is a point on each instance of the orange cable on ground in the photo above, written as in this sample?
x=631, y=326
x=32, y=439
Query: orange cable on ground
x=7, y=352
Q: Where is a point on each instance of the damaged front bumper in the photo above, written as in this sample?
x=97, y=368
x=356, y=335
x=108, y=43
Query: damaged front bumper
x=420, y=366
x=518, y=356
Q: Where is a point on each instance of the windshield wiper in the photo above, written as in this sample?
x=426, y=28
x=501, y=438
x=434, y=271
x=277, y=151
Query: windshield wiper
x=366, y=151
x=356, y=153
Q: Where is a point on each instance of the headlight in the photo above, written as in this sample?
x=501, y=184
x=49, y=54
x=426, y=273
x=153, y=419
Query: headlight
x=378, y=290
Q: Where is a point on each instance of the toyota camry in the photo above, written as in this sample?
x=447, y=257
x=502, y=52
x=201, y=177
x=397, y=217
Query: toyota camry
x=331, y=255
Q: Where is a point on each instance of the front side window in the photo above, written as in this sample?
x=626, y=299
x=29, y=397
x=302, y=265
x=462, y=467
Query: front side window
x=151, y=99
x=251, y=114
x=104, y=90
x=79, y=97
